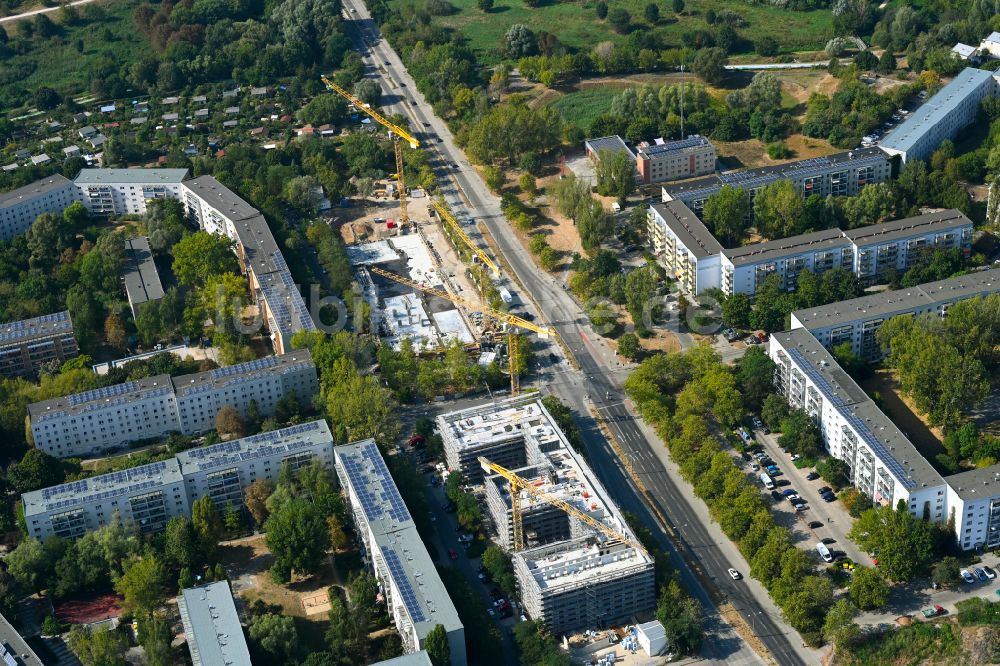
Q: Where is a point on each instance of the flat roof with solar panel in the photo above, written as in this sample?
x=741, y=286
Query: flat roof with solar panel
x=387, y=521
x=14, y=650
x=655, y=149
x=275, y=443
x=126, y=483
x=79, y=403
x=285, y=302
x=27, y=330
x=205, y=381
x=893, y=449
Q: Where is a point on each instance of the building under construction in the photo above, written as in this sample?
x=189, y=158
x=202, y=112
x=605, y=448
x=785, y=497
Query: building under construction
x=570, y=575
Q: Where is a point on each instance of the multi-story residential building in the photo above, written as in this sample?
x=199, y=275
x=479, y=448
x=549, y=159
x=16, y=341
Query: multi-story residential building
x=893, y=247
x=126, y=191
x=88, y=423
x=415, y=596
x=219, y=210
x=147, y=496
x=745, y=268
x=14, y=649
x=142, y=280
x=150, y=495
x=872, y=253
x=840, y=174
x=223, y=471
x=570, y=576
x=687, y=249
x=857, y=320
x=590, y=582
x=685, y=246
x=884, y=464
x=27, y=344
x=942, y=116
x=212, y=626
x=661, y=161
x=19, y=208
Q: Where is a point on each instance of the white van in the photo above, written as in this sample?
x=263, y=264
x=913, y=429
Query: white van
x=766, y=480
x=824, y=552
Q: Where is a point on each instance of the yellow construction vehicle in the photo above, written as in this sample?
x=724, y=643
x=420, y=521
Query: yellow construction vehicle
x=460, y=232
x=517, y=484
x=513, y=322
x=397, y=133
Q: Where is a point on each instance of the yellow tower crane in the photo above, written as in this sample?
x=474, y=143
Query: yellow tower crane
x=513, y=321
x=448, y=218
x=517, y=484
x=397, y=133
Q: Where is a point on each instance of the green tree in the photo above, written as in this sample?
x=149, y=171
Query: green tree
x=276, y=635
x=437, y=646
x=799, y=434
x=155, y=637
x=947, y=571
x=181, y=546
x=615, y=173
x=141, y=585
x=601, y=9
x=97, y=648
x=736, y=311
x=839, y=622
x=495, y=178
x=681, y=617
x=297, y=536
x=886, y=62
x=903, y=544
x=652, y=13
x=756, y=375
x=35, y=470
x=485, y=5
x=31, y=564
x=629, y=347
x=710, y=64
x=726, y=214
x=207, y=524
x=620, y=19
x=536, y=645
x=779, y=211
x=678, y=6
x=805, y=609
x=323, y=110
x=201, y=256
x=868, y=590
x=834, y=471
x=364, y=595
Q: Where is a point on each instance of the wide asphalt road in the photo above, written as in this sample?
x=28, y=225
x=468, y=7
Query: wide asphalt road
x=465, y=191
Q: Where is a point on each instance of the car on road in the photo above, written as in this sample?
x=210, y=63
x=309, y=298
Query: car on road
x=824, y=489
x=812, y=476
x=734, y=574
x=990, y=573
x=452, y=554
x=980, y=574
x=967, y=577
x=934, y=611
x=386, y=63
x=815, y=525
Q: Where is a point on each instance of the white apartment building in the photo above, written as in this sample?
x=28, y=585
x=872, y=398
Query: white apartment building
x=19, y=208
x=146, y=496
x=685, y=246
x=857, y=320
x=223, y=471
x=884, y=463
x=415, y=596
x=687, y=249
x=28, y=344
x=941, y=117
x=126, y=191
x=88, y=423
x=150, y=495
x=840, y=174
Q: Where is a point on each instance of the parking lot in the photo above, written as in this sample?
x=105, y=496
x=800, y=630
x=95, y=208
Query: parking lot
x=820, y=521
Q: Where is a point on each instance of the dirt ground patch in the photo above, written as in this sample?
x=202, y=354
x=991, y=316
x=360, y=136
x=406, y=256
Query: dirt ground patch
x=753, y=153
x=662, y=341
x=249, y=561
x=901, y=410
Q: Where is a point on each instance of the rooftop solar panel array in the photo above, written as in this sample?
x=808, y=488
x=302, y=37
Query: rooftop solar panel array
x=859, y=426
x=254, y=447
x=115, y=484
x=670, y=146
x=373, y=485
x=30, y=328
x=399, y=576
x=240, y=368
x=104, y=392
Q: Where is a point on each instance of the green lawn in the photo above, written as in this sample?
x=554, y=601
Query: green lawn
x=64, y=61
x=577, y=26
x=584, y=106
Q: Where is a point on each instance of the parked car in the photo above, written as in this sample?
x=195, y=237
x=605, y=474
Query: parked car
x=801, y=506
x=812, y=476
x=793, y=498
x=934, y=611
x=776, y=496
x=757, y=423
x=755, y=467
x=980, y=574
x=492, y=612
x=734, y=574
x=829, y=498
x=788, y=493
x=815, y=525
x=967, y=577
x=797, y=456
x=825, y=489
x=990, y=573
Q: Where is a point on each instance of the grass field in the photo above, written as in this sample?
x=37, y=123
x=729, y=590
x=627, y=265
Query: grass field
x=65, y=61
x=584, y=106
x=577, y=26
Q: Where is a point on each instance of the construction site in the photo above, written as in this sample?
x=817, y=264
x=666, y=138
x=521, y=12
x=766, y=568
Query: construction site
x=577, y=563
